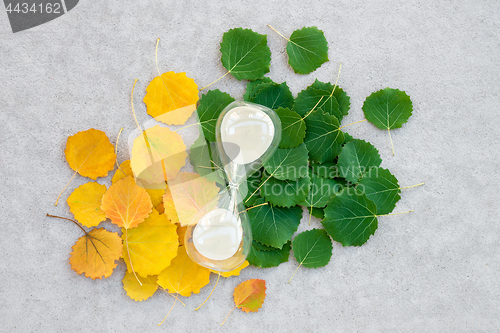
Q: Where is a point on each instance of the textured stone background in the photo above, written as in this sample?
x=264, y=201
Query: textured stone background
x=435, y=270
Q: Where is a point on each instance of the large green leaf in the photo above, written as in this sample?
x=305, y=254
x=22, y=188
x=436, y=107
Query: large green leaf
x=356, y=158
x=273, y=226
x=312, y=98
x=382, y=188
x=284, y=193
x=265, y=256
x=320, y=192
x=312, y=248
x=388, y=108
x=274, y=95
x=245, y=54
x=350, y=218
x=254, y=86
x=293, y=128
x=340, y=95
x=323, y=137
x=288, y=163
x=307, y=50
x=202, y=161
x=211, y=105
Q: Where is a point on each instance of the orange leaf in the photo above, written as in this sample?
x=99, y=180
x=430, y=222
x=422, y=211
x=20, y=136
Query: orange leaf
x=126, y=204
x=186, y=194
x=90, y=153
x=234, y=272
x=136, y=291
x=85, y=204
x=171, y=98
x=183, y=276
x=249, y=295
x=181, y=231
x=95, y=253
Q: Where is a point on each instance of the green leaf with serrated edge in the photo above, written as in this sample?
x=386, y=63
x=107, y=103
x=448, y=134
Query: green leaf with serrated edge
x=318, y=213
x=273, y=226
x=347, y=138
x=274, y=95
x=307, y=50
x=350, y=218
x=311, y=97
x=202, y=161
x=325, y=170
x=209, y=109
x=284, y=193
x=265, y=257
x=252, y=184
x=320, y=192
x=343, y=100
x=288, y=163
x=293, y=128
x=382, y=188
x=388, y=108
x=245, y=54
x=312, y=248
x=254, y=86
x=323, y=137
x=356, y=158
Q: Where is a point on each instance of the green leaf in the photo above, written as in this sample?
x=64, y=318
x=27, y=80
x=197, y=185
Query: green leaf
x=325, y=170
x=320, y=192
x=347, y=138
x=264, y=256
x=245, y=54
x=293, y=128
x=252, y=184
x=288, y=163
x=273, y=226
x=323, y=137
x=357, y=157
x=274, y=95
x=202, y=161
x=350, y=218
x=307, y=50
x=382, y=188
x=340, y=95
x=311, y=97
x=312, y=248
x=284, y=193
x=254, y=86
x=211, y=105
x=388, y=108
x=317, y=212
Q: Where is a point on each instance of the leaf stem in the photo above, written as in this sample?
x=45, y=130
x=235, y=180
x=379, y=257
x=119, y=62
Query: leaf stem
x=310, y=214
x=168, y=312
x=65, y=188
x=208, y=85
x=218, y=277
x=228, y=315
x=129, y=258
x=390, y=138
x=402, y=188
x=64, y=218
x=132, y=104
x=354, y=123
x=409, y=211
x=294, y=273
x=279, y=33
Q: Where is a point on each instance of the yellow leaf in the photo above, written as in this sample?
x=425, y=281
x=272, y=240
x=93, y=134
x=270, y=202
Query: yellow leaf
x=171, y=98
x=158, y=154
x=123, y=171
x=181, y=231
x=234, y=272
x=126, y=203
x=135, y=290
x=95, y=253
x=183, y=276
x=186, y=194
x=85, y=204
x=156, y=196
x=152, y=245
x=90, y=153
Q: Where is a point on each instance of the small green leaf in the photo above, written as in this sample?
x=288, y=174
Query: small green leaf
x=274, y=95
x=320, y=192
x=382, y=188
x=343, y=100
x=312, y=248
x=293, y=128
x=323, y=137
x=388, y=108
x=265, y=256
x=245, y=54
x=284, y=193
x=288, y=163
x=254, y=86
x=350, y=218
x=312, y=98
x=211, y=105
x=273, y=226
x=356, y=158
x=307, y=50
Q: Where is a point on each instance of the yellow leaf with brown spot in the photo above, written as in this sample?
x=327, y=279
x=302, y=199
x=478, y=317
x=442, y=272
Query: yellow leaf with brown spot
x=234, y=272
x=85, y=204
x=95, y=253
x=171, y=98
x=152, y=245
x=183, y=276
x=137, y=292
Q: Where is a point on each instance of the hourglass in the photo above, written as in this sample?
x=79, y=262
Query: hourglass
x=220, y=236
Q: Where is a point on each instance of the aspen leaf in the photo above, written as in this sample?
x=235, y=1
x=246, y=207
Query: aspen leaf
x=126, y=203
x=267, y=256
x=171, y=98
x=312, y=248
x=382, y=188
x=95, y=253
x=320, y=192
x=343, y=100
x=254, y=86
x=234, y=272
x=139, y=292
x=181, y=232
x=152, y=245
x=123, y=171
x=249, y=295
x=293, y=128
x=388, y=108
x=274, y=95
x=307, y=50
x=288, y=163
x=356, y=158
x=211, y=106
x=85, y=204
x=323, y=137
x=183, y=276
x=284, y=193
x=90, y=153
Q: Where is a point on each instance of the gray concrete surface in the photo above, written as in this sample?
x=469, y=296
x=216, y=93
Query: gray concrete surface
x=435, y=270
